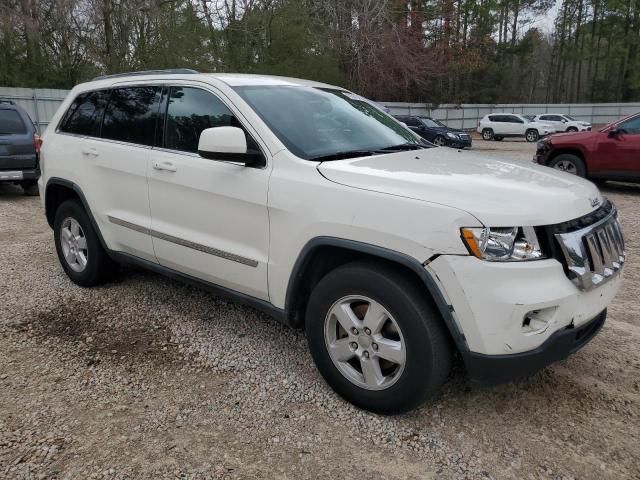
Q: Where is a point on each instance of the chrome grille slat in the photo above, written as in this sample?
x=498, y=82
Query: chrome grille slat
x=594, y=254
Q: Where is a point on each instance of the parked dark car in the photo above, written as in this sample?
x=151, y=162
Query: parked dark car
x=610, y=153
x=436, y=132
x=19, y=145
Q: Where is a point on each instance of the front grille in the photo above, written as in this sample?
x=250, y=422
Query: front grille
x=592, y=253
x=464, y=136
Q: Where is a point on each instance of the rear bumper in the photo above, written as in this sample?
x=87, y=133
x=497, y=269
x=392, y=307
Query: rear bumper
x=20, y=175
x=494, y=369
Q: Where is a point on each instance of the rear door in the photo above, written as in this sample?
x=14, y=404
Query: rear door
x=514, y=125
x=17, y=147
x=117, y=155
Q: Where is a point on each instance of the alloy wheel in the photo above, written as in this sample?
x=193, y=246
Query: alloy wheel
x=74, y=244
x=365, y=343
x=440, y=141
x=566, y=166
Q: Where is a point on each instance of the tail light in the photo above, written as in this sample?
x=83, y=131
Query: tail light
x=37, y=142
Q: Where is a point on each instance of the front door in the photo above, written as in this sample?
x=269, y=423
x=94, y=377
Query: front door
x=619, y=153
x=209, y=218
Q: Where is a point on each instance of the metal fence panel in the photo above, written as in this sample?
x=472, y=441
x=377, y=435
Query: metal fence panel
x=467, y=116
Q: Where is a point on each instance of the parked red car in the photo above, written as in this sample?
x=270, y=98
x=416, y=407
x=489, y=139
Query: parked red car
x=611, y=153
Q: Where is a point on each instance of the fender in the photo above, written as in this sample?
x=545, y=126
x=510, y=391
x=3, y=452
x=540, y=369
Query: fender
x=411, y=263
x=76, y=188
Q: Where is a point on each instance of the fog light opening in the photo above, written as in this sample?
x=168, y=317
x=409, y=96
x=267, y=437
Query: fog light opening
x=535, y=322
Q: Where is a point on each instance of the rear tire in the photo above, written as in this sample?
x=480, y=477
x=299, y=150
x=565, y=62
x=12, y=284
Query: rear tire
x=569, y=163
x=487, y=134
x=30, y=189
x=532, y=135
x=409, y=329
x=79, y=250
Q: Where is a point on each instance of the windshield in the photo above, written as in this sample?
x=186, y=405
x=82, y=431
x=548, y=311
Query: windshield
x=430, y=122
x=314, y=122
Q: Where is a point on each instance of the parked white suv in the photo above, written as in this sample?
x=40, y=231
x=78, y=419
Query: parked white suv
x=497, y=126
x=563, y=123
x=307, y=202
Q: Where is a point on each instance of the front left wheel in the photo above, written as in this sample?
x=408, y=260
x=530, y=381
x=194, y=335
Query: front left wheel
x=440, y=141
x=532, y=135
x=79, y=250
x=377, y=339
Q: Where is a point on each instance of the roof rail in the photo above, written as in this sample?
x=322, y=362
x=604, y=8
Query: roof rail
x=10, y=102
x=172, y=71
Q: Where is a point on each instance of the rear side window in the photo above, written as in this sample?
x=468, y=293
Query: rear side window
x=11, y=123
x=84, y=115
x=412, y=122
x=495, y=118
x=189, y=111
x=131, y=115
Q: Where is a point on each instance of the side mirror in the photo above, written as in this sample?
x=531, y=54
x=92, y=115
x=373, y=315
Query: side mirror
x=564, y=120
x=228, y=144
x=403, y=124
x=614, y=132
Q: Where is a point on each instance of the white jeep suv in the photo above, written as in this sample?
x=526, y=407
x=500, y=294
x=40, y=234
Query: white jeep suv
x=563, y=123
x=307, y=202
x=497, y=126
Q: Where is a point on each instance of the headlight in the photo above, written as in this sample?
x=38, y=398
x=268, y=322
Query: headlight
x=542, y=143
x=504, y=244
x=452, y=135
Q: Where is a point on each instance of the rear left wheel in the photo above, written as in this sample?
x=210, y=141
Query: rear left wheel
x=79, y=250
x=376, y=339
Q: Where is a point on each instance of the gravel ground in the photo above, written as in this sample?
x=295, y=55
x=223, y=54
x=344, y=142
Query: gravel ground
x=149, y=378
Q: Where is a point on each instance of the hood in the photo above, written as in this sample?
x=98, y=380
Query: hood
x=573, y=137
x=498, y=193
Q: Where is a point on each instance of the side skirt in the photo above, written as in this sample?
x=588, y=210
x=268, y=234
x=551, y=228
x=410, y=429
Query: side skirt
x=218, y=290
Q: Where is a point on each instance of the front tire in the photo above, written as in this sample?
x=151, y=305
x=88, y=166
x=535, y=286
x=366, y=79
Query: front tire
x=376, y=338
x=569, y=163
x=440, y=141
x=79, y=250
x=487, y=134
x=532, y=135
x=572, y=129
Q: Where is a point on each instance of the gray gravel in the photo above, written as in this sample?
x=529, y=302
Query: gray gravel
x=149, y=378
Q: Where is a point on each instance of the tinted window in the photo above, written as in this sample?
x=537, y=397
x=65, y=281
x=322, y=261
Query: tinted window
x=513, y=119
x=11, y=123
x=190, y=111
x=131, y=115
x=497, y=118
x=84, y=115
x=412, y=122
x=545, y=117
x=631, y=126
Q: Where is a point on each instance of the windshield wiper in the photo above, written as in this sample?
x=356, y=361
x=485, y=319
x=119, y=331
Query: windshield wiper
x=404, y=146
x=344, y=155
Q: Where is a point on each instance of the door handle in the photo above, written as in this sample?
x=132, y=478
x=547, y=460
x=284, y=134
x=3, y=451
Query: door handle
x=90, y=152
x=168, y=166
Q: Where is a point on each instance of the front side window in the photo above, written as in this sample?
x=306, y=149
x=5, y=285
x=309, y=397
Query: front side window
x=131, y=115
x=317, y=122
x=85, y=114
x=189, y=112
x=11, y=123
x=631, y=126
x=412, y=122
x=431, y=123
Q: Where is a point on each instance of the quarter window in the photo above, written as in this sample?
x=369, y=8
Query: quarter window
x=84, y=115
x=131, y=115
x=189, y=112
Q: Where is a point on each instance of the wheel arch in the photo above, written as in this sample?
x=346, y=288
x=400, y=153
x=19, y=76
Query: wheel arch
x=323, y=254
x=59, y=190
x=570, y=151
